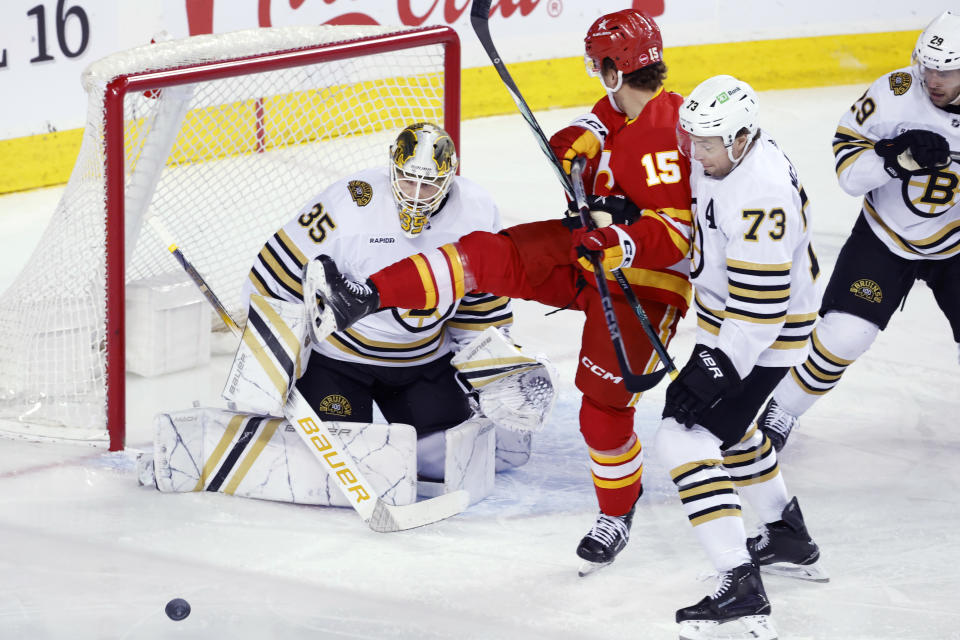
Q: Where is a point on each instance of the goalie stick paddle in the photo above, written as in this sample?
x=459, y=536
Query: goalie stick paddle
x=323, y=441
x=479, y=18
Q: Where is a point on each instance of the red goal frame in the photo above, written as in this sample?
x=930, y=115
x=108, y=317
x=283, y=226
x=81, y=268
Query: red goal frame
x=114, y=164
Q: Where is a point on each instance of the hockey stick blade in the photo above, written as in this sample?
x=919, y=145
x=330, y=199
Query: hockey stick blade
x=388, y=518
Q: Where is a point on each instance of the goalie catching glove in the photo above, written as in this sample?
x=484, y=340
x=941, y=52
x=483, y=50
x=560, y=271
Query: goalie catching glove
x=516, y=391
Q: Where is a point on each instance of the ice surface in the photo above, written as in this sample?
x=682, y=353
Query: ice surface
x=86, y=553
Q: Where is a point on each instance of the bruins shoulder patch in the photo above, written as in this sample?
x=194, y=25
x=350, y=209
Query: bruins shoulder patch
x=900, y=82
x=360, y=191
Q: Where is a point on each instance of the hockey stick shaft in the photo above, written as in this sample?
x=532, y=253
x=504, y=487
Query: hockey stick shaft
x=323, y=441
x=479, y=18
x=198, y=280
x=576, y=174
x=636, y=383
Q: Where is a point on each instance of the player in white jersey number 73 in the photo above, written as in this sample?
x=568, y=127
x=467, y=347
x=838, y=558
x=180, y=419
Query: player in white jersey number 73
x=754, y=275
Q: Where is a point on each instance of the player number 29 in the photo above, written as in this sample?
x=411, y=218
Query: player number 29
x=863, y=108
x=662, y=167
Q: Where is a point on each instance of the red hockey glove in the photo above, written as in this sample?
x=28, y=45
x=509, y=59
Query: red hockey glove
x=615, y=246
x=584, y=137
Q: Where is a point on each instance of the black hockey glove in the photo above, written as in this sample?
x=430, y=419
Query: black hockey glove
x=605, y=210
x=928, y=150
x=701, y=384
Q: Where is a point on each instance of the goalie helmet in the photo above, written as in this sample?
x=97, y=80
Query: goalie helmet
x=629, y=37
x=719, y=106
x=423, y=161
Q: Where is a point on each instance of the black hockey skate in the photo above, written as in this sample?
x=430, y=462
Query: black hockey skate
x=785, y=548
x=607, y=538
x=776, y=424
x=737, y=609
x=339, y=302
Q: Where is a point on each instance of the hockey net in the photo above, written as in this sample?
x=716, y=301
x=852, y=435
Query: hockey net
x=222, y=139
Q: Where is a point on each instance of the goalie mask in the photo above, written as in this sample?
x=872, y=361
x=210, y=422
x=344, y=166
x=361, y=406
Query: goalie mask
x=423, y=161
x=719, y=106
x=630, y=38
x=936, y=59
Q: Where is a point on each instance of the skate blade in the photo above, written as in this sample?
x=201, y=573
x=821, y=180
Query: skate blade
x=812, y=572
x=591, y=567
x=745, y=628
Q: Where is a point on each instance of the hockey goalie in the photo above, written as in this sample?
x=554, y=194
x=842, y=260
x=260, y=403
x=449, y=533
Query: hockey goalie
x=460, y=401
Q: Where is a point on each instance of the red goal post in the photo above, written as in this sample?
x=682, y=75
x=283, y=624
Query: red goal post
x=222, y=138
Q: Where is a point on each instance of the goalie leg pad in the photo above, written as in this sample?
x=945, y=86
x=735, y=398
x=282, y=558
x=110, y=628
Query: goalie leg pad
x=471, y=458
x=513, y=448
x=468, y=459
x=263, y=457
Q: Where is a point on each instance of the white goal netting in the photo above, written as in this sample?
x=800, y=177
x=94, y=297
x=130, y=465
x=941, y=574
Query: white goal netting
x=222, y=161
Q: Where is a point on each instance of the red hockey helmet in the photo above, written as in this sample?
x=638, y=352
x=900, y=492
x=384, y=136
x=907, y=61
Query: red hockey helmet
x=629, y=37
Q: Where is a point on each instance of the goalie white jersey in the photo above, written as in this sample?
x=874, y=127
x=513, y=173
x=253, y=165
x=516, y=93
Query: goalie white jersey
x=355, y=222
x=915, y=218
x=753, y=266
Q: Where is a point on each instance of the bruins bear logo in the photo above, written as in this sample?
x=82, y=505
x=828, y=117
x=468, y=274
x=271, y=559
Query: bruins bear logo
x=900, y=82
x=360, y=191
x=867, y=290
x=335, y=405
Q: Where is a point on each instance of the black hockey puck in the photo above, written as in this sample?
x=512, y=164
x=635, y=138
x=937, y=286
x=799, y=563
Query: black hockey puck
x=177, y=609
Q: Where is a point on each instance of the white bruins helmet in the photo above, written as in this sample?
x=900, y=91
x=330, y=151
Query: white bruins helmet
x=423, y=161
x=938, y=47
x=719, y=106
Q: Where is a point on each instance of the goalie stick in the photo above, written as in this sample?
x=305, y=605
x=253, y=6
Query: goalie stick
x=479, y=18
x=323, y=441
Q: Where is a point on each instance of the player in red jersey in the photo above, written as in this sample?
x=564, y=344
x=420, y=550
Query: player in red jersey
x=641, y=203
